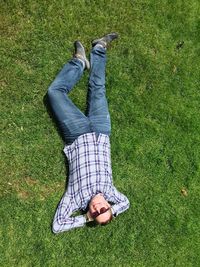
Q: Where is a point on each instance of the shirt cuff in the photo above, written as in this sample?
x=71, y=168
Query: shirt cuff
x=81, y=220
x=113, y=212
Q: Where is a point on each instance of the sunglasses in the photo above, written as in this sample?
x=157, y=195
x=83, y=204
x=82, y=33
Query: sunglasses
x=96, y=213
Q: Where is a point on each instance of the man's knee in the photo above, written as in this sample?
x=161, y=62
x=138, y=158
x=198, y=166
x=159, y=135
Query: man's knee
x=51, y=94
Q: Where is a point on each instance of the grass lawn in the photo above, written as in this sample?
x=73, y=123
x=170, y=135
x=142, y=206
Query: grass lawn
x=153, y=73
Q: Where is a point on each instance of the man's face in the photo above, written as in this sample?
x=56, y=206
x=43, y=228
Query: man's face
x=96, y=204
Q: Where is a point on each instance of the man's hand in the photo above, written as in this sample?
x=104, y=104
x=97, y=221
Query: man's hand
x=89, y=217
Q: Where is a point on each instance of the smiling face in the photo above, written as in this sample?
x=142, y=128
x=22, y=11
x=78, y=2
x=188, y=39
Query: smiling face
x=97, y=207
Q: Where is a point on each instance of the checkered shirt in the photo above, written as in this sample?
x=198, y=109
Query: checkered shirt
x=89, y=174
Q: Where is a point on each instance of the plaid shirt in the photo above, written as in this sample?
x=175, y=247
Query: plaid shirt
x=89, y=174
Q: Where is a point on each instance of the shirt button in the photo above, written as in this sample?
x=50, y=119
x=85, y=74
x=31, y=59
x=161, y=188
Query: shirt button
x=85, y=194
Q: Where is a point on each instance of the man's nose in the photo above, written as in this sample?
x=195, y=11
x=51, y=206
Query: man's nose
x=98, y=208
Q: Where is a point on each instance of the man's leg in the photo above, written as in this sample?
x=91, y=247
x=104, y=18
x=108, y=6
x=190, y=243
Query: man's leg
x=97, y=106
x=72, y=122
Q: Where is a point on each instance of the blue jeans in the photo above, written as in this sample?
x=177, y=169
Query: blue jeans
x=72, y=122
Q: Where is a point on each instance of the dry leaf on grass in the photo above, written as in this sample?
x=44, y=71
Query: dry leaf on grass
x=184, y=192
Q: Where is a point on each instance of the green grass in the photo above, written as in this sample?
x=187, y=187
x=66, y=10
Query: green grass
x=152, y=81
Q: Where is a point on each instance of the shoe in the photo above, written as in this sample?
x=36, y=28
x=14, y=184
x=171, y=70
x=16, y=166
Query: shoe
x=80, y=53
x=105, y=40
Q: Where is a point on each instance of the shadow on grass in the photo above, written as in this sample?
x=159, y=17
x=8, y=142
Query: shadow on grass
x=54, y=121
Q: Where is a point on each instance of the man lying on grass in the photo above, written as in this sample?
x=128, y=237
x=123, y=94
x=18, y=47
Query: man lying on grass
x=90, y=187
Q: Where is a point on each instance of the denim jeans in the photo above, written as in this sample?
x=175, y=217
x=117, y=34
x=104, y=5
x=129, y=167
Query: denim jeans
x=71, y=121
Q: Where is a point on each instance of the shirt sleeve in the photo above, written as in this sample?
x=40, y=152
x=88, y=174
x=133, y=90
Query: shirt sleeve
x=121, y=202
x=62, y=220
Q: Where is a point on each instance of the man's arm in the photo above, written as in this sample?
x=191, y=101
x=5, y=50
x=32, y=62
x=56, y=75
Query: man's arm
x=121, y=203
x=62, y=220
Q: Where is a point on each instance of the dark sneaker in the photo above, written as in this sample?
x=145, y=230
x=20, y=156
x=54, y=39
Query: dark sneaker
x=80, y=53
x=105, y=40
